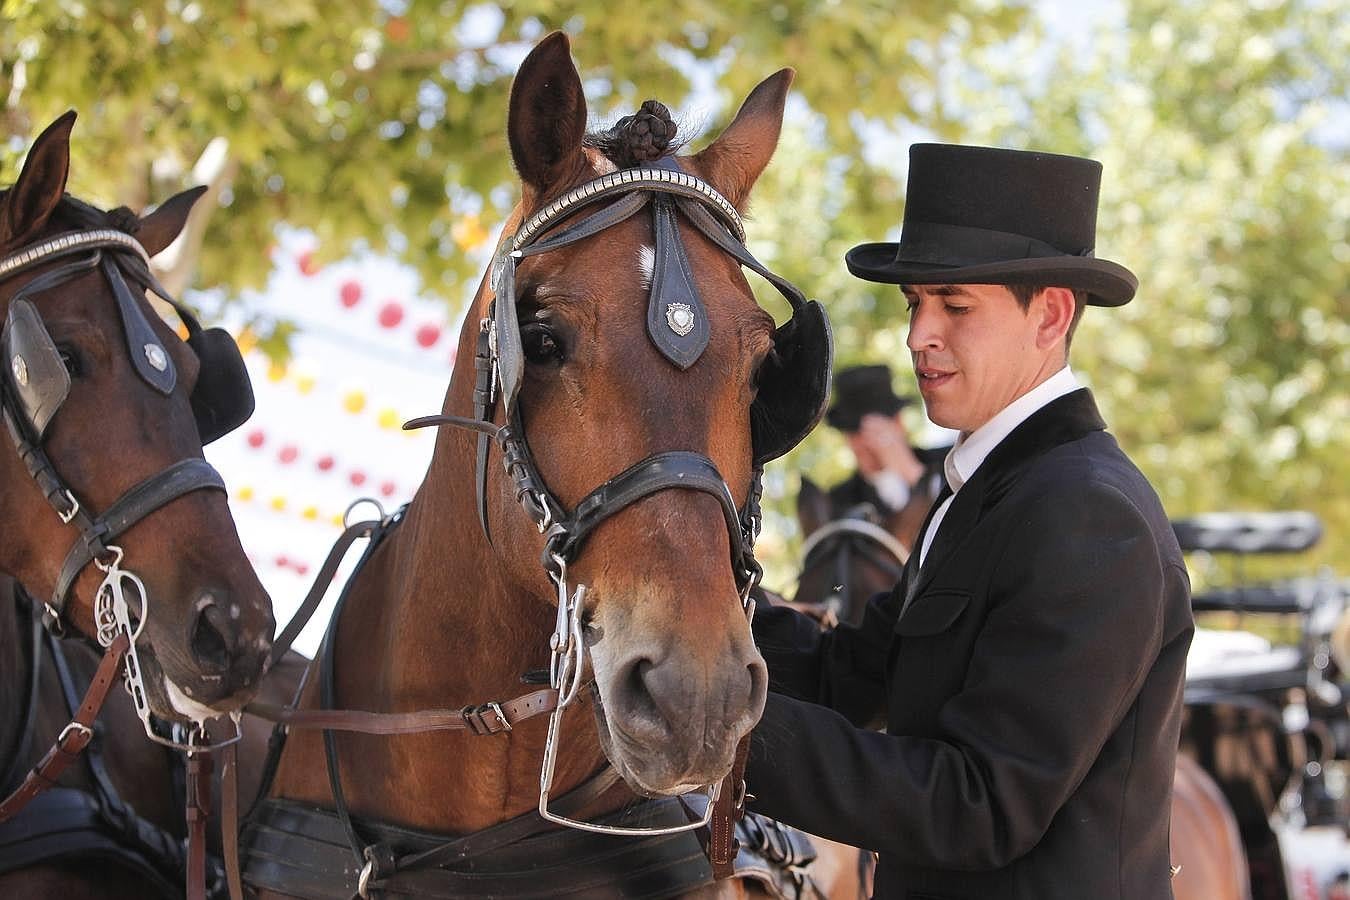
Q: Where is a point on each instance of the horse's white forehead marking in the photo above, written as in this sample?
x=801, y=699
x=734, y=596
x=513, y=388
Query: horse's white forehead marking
x=646, y=261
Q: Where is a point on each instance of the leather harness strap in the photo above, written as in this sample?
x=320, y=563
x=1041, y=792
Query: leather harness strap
x=74, y=737
x=198, y=812
x=322, y=580
x=727, y=812
x=486, y=718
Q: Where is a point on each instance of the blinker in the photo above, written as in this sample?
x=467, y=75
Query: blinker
x=38, y=376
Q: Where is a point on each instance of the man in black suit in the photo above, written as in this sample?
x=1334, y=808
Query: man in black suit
x=1030, y=661
x=890, y=472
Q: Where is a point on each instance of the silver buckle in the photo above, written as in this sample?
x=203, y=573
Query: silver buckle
x=75, y=726
x=71, y=513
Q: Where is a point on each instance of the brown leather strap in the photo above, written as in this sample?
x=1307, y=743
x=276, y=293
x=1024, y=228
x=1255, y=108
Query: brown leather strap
x=727, y=811
x=489, y=718
x=197, y=812
x=229, y=820
x=319, y=589
x=74, y=737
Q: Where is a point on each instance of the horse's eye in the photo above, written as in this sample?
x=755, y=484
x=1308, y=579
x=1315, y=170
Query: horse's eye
x=70, y=357
x=541, y=344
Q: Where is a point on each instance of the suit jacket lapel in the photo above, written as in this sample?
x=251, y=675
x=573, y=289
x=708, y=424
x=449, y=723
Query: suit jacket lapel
x=960, y=519
x=909, y=575
x=1064, y=419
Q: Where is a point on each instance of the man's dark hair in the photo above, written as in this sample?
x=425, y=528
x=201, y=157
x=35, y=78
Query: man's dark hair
x=1023, y=293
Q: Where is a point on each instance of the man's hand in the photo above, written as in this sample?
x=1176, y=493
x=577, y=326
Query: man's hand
x=882, y=444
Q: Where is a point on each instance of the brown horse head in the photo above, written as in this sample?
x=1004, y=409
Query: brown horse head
x=104, y=425
x=676, y=674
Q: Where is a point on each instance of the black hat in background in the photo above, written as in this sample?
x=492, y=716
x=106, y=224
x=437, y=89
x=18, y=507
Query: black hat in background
x=862, y=390
x=980, y=215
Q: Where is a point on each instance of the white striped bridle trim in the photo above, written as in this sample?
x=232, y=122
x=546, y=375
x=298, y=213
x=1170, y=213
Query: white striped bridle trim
x=626, y=180
x=70, y=242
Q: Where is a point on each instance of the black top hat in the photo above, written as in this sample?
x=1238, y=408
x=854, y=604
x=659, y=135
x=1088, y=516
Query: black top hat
x=862, y=390
x=979, y=215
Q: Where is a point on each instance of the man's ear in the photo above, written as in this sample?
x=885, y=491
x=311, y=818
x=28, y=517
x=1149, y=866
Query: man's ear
x=1055, y=307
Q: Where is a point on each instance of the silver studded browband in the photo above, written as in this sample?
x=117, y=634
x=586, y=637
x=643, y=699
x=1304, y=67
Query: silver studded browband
x=624, y=181
x=67, y=243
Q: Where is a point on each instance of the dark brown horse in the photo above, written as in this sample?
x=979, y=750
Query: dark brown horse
x=846, y=559
x=618, y=336
x=119, y=528
x=849, y=560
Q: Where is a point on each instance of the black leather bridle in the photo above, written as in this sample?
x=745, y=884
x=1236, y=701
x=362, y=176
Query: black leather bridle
x=498, y=360
x=835, y=543
x=97, y=532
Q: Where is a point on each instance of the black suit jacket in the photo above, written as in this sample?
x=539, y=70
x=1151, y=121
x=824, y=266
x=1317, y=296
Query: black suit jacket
x=1032, y=687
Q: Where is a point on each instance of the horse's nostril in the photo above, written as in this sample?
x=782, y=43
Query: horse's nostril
x=212, y=638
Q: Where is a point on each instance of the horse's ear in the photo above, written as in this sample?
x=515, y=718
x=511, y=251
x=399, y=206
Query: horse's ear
x=547, y=118
x=813, y=506
x=159, y=229
x=735, y=160
x=41, y=183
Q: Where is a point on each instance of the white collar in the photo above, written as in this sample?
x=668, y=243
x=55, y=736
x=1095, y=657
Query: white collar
x=970, y=450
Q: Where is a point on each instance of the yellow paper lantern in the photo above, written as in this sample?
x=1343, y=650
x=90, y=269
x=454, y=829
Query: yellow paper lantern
x=354, y=401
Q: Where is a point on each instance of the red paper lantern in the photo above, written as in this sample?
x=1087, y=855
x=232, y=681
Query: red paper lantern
x=428, y=334
x=391, y=314
x=350, y=293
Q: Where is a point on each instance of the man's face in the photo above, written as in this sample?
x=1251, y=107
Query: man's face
x=975, y=350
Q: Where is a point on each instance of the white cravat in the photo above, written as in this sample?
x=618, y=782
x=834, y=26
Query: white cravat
x=971, y=449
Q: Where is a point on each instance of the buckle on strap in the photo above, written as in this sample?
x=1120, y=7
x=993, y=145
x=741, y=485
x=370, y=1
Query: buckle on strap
x=81, y=732
x=487, y=718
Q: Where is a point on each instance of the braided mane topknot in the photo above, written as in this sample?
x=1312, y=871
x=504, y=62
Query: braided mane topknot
x=123, y=219
x=640, y=138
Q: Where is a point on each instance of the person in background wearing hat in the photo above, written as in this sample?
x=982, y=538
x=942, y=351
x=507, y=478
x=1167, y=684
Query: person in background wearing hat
x=889, y=472
x=1030, y=662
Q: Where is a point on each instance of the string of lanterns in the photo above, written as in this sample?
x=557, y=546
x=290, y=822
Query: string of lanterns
x=391, y=313
x=289, y=453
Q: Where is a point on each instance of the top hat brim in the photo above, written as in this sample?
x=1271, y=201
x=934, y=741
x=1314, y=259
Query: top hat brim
x=1106, y=283
x=848, y=416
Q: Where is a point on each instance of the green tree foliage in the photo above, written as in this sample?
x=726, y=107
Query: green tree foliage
x=382, y=124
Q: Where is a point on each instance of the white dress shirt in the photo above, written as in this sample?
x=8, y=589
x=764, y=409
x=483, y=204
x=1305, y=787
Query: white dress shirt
x=971, y=449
